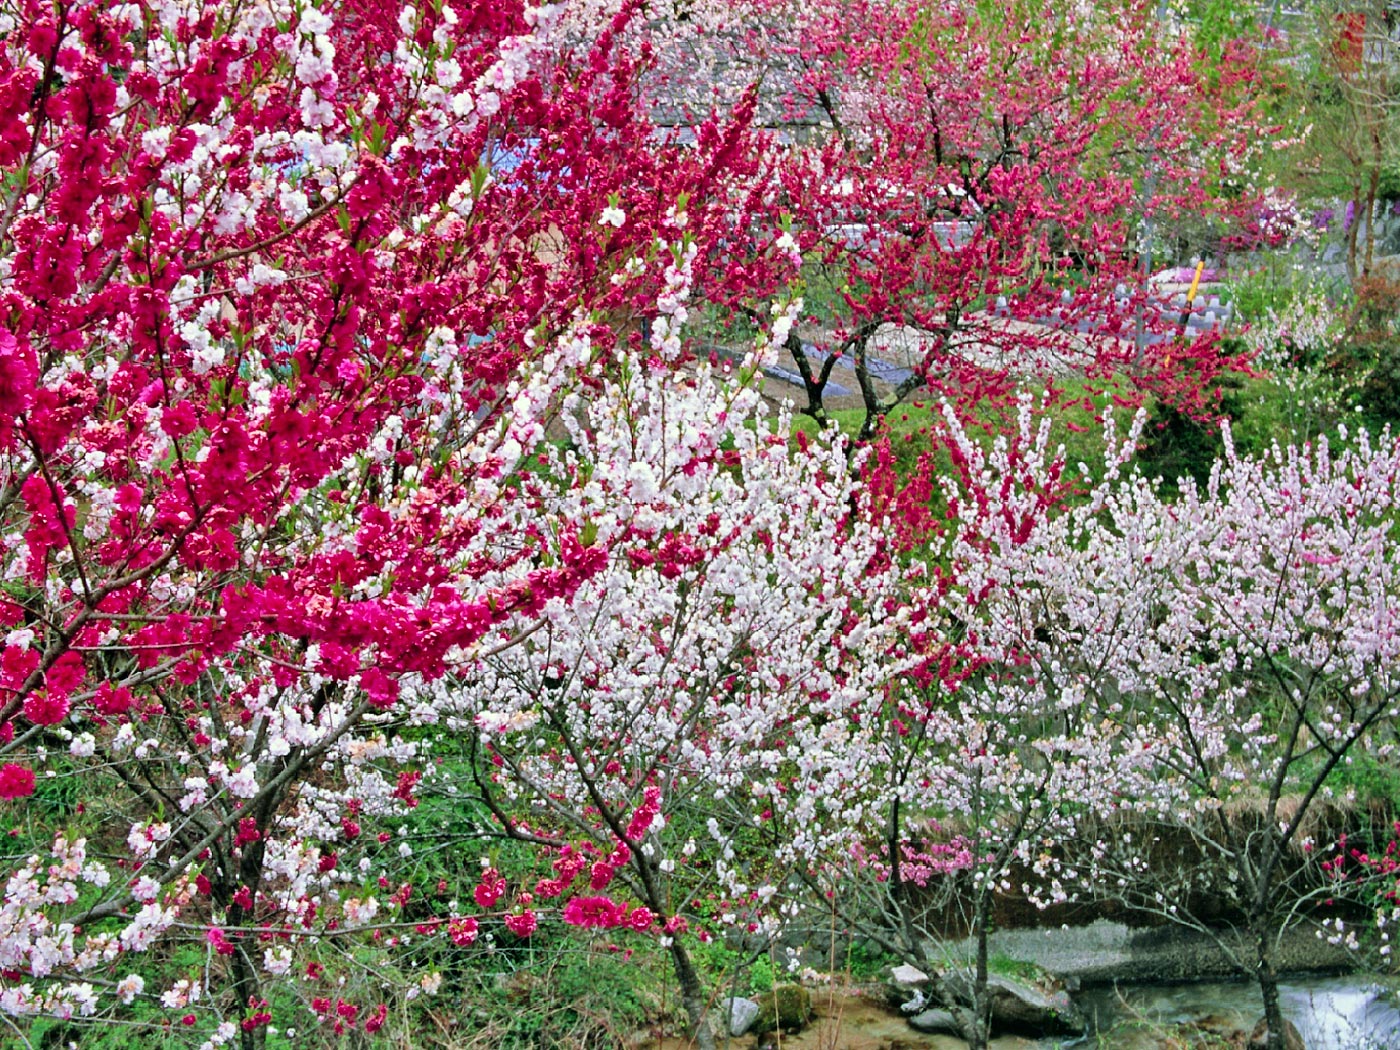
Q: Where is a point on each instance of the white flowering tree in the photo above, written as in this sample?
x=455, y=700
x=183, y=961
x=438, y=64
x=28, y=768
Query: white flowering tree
x=1251, y=632
x=1140, y=673
x=690, y=720
x=994, y=749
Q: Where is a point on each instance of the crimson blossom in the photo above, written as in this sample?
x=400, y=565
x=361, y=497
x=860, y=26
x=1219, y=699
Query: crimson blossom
x=970, y=186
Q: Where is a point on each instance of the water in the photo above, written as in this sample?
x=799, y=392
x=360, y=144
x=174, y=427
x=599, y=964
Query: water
x=1332, y=1013
x=1342, y=1014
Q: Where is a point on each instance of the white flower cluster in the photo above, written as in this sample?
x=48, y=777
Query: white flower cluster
x=670, y=304
x=206, y=352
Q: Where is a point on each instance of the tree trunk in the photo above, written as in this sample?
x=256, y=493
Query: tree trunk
x=980, y=1033
x=1352, y=244
x=813, y=383
x=1373, y=187
x=692, y=996
x=246, y=988
x=1268, y=987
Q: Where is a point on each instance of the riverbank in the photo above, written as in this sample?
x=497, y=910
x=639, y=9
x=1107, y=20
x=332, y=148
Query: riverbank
x=1108, y=952
x=1330, y=1013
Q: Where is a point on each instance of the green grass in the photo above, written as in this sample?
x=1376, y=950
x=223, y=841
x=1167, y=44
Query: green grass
x=864, y=960
x=1016, y=969
x=1076, y=415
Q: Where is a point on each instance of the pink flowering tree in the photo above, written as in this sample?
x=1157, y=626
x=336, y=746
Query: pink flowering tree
x=288, y=295
x=971, y=186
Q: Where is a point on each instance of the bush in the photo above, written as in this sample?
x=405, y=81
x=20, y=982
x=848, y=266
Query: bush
x=1176, y=445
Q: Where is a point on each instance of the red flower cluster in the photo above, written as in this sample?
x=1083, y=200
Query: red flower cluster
x=605, y=913
x=16, y=781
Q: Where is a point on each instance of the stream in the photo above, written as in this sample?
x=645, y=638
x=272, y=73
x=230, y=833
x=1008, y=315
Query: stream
x=1332, y=1013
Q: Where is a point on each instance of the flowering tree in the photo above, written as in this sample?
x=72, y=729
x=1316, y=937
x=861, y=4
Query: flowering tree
x=969, y=196
x=706, y=686
x=993, y=735
x=1015, y=754
x=1252, y=630
x=287, y=296
x=1138, y=673
x=1354, y=135
x=344, y=402
x=1381, y=869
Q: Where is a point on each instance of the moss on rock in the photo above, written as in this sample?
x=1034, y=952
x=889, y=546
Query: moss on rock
x=787, y=1008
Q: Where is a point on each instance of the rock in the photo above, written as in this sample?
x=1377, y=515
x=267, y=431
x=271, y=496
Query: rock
x=915, y=1005
x=1292, y=1038
x=935, y=1022
x=909, y=976
x=787, y=1008
x=1217, y=1025
x=1019, y=1007
x=737, y=1015
x=905, y=986
x=958, y=984
x=1022, y=1009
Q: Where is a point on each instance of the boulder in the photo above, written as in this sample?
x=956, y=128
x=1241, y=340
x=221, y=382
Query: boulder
x=907, y=976
x=787, y=1008
x=906, y=987
x=736, y=1016
x=1023, y=1009
x=935, y=1022
x=1019, y=1007
x=1292, y=1038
